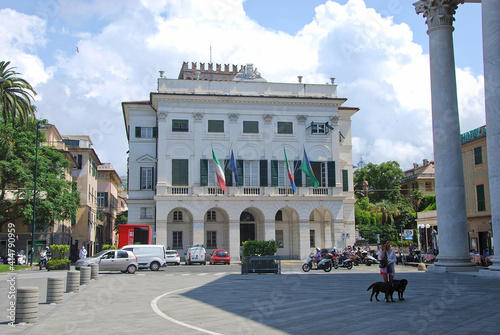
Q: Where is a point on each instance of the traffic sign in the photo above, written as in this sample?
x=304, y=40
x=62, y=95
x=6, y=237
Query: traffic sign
x=408, y=234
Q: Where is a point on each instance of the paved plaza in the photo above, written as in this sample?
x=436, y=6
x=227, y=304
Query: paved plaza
x=219, y=300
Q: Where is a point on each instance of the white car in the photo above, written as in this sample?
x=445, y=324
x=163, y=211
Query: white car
x=173, y=257
x=150, y=256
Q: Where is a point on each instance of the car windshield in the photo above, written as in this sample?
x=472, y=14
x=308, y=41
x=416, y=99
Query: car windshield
x=99, y=254
x=222, y=253
x=171, y=252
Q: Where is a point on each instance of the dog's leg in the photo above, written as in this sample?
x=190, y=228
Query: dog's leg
x=376, y=295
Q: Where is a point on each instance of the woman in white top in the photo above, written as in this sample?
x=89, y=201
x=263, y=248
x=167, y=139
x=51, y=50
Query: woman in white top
x=389, y=253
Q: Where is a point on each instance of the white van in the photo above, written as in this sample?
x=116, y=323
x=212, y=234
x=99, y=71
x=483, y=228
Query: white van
x=148, y=255
x=195, y=254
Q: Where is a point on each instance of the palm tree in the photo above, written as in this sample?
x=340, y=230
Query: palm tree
x=387, y=210
x=16, y=95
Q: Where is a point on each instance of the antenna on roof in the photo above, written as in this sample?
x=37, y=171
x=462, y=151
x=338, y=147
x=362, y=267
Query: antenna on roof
x=210, y=51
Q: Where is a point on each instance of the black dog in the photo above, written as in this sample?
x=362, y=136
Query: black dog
x=400, y=286
x=378, y=287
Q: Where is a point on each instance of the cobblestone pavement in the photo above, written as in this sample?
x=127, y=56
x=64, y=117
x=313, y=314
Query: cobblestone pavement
x=219, y=300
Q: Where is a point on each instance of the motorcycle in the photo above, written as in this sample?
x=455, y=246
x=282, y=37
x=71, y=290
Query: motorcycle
x=368, y=260
x=43, y=261
x=342, y=262
x=325, y=264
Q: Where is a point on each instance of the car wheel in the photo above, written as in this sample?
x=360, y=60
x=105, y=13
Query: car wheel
x=155, y=266
x=131, y=269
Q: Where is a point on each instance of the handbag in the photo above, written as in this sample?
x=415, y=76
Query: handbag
x=383, y=263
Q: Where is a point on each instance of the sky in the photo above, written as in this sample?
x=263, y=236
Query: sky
x=85, y=57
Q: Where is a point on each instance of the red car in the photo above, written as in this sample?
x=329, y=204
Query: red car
x=220, y=256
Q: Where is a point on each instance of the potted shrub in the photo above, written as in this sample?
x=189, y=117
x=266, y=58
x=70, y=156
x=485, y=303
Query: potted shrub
x=260, y=257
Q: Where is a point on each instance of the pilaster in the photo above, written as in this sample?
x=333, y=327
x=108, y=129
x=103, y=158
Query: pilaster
x=304, y=239
x=234, y=240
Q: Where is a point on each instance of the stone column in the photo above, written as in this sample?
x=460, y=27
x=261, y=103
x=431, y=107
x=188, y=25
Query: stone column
x=234, y=240
x=450, y=190
x=491, y=52
x=304, y=239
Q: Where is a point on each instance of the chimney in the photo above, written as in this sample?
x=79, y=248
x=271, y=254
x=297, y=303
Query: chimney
x=415, y=165
x=426, y=161
x=300, y=79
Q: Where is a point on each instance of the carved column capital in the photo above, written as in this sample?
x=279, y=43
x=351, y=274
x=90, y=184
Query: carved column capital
x=302, y=119
x=267, y=118
x=335, y=120
x=233, y=117
x=438, y=12
x=198, y=116
x=162, y=116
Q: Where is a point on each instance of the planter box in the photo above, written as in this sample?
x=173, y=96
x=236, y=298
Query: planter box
x=261, y=264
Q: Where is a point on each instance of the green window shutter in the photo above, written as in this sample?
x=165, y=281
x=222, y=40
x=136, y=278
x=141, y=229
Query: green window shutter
x=138, y=132
x=481, y=200
x=251, y=127
x=478, y=156
x=203, y=172
x=153, y=183
x=140, y=179
x=155, y=132
x=274, y=173
x=285, y=128
x=180, y=172
x=239, y=167
x=263, y=173
x=331, y=173
x=215, y=126
x=228, y=174
x=345, y=180
x=297, y=176
x=105, y=199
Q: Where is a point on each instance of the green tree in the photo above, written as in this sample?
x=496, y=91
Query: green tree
x=16, y=95
x=121, y=218
x=384, y=181
x=55, y=198
x=387, y=210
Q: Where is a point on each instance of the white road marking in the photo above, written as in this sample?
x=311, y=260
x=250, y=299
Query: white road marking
x=155, y=308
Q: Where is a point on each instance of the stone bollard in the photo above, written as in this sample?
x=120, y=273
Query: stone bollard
x=55, y=288
x=422, y=267
x=94, y=271
x=84, y=275
x=73, y=282
x=27, y=304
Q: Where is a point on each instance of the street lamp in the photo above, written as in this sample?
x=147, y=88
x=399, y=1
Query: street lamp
x=34, y=195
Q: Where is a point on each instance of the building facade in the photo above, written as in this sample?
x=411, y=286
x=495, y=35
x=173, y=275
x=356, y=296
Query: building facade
x=175, y=137
x=420, y=178
x=88, y=231
x=108, y=200
x=477, y=191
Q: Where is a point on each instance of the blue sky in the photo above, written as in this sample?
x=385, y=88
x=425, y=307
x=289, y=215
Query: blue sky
x=377, y=50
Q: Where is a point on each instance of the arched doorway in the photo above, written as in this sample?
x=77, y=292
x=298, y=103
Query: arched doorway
x=247, y=227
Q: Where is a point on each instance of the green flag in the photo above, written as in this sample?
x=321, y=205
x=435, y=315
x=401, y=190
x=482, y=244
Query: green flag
x=306, y=167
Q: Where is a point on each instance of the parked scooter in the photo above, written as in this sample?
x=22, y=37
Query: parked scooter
x=342, y=262
x=325, y=264
x=368, y=259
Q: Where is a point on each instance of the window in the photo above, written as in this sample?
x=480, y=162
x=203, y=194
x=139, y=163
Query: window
x=211, y=239
x=121, y=254
x=285, y=128
x=146, y=178
x=318, y=128
x=180, y=172
x=178, y=216
x=215, y=126
x=212, y=179
x=279, y=238
x=101, y=175
x=478, y=156
x=481, y=200
x=102, y=199
x=345, y=180
x=146, y=213
x=283, y=175
x=180, y=125
x=251, y=173
x=278, y=216
x=312, y=238
x=177, y=240
x=211, y=216
x=146, y=132
x=251, y=127
x=78, y=159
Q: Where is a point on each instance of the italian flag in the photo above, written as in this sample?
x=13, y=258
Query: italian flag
x=219, y=172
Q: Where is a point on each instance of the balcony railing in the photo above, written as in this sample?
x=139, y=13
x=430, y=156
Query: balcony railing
x=163, y=190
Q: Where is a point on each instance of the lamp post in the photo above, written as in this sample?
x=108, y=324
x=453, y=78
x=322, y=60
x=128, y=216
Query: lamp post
x=34, y=195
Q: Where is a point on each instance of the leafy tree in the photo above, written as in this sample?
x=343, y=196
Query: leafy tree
x=387, y=211
x=121, y=218
x=16, y=95
x=384, y=180
x=428, y=203
x=55, y=198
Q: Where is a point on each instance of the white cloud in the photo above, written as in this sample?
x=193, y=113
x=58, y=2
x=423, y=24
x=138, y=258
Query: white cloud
x=376, y=65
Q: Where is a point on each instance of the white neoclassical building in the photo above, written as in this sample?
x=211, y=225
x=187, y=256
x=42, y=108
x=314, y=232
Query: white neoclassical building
x=171, y=177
